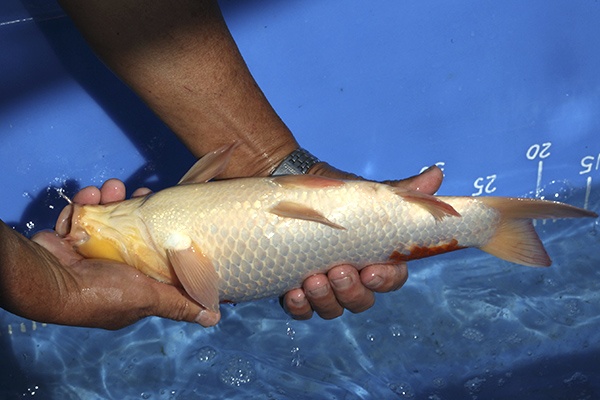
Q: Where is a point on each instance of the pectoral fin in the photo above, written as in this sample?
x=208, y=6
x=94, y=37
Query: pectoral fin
x=196, y=273
x=299, y=211
x=209, y=166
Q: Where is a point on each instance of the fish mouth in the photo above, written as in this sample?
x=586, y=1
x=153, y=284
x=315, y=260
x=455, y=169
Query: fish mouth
x=67, y=225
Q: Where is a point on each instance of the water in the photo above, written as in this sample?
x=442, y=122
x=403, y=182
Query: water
x=466, y=325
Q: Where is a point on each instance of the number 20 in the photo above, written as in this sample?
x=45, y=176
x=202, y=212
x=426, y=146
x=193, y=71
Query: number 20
x=542, y=151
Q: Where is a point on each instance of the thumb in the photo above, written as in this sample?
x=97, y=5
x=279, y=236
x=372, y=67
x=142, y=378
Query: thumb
x=175, y=304
x=428, y=181
x=56, y=245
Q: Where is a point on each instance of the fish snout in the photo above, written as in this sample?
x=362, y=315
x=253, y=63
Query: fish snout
x=68, y=225
x=63, y=223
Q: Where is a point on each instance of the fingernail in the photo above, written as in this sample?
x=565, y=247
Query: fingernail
x=374, y=282
x=319, y=292
x=207, y=318
x=298, y=300
x=428, y=169
x=202, y=315
x=342, y=283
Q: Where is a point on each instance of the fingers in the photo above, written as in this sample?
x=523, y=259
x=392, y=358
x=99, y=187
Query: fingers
x=384, y=278
x=428, y=181
x=143, y=191
x=328, y=295
x=173, y=303
x=343, y=288
x=297, y=305
x=316, y=295
x=55, y=244
x=349, y=290
x=112, y=190
x=87, y=195
x=208, y=318
x=320, y=295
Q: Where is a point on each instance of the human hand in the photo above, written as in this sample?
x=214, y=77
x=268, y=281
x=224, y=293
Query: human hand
x=344, y=287
x=107, y=294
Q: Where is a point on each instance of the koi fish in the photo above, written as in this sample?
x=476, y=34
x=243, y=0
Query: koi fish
x=250, y=238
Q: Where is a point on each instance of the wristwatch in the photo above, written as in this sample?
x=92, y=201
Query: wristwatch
x=298, y=162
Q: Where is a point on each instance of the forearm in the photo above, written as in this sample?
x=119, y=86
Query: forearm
x=26, y=287
x=182, y=61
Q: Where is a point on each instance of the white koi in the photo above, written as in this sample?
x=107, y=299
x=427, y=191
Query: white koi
x=250, y=238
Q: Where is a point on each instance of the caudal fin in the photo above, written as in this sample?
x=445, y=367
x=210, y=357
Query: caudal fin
x=515, y=239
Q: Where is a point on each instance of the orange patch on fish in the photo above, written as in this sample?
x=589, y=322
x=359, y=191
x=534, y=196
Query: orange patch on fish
x=417, y=252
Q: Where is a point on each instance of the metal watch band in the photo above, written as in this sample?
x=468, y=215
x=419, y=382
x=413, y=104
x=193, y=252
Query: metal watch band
x=298, y=162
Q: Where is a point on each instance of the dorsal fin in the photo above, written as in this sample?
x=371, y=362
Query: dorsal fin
x=436, y=207
x=209, y=166
x=290, y=209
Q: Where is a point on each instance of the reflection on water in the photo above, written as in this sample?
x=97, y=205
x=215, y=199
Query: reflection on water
x=466, y=325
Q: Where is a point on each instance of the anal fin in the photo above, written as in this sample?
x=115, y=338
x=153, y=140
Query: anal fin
x=290, y=209
x=195, y=271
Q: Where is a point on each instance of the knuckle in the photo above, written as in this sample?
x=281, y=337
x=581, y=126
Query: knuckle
x=180, y=311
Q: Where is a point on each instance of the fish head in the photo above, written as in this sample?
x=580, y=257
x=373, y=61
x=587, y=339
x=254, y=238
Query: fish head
x=114, y=232
x=89, y=229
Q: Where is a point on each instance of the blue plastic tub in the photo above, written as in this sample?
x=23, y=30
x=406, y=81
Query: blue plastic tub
x=505, y=96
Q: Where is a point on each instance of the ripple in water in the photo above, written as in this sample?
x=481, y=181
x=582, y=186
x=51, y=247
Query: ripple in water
x=206, y=354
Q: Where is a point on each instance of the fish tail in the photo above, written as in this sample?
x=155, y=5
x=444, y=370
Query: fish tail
x=515, y=239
